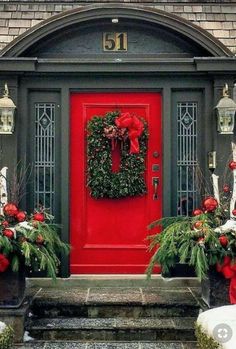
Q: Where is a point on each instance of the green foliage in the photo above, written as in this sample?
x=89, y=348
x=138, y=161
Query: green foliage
x=203, y=340
x=129, y=181
x=190, y=240
x=37, y=244
x=6, y=338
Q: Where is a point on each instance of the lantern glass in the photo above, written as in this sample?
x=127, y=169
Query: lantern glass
x=7, y=111
x=226, y=121
x=7, y=120
x=225, y=111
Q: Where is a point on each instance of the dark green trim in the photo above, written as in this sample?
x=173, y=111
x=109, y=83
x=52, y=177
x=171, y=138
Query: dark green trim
x=56, y=66
x=104, y=11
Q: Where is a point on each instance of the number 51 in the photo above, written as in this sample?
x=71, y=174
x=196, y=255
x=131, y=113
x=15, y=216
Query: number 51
x=114, y=41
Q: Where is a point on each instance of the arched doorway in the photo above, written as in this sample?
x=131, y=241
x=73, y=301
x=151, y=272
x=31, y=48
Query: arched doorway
x=138, y=57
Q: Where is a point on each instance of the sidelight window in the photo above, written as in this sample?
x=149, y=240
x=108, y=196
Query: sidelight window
x=44, y=183
x=186, y=157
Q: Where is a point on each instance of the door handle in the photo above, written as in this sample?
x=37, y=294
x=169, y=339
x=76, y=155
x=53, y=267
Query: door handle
x=155, y=183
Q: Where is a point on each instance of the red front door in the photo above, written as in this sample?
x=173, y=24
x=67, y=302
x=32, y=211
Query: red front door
x=109, y=235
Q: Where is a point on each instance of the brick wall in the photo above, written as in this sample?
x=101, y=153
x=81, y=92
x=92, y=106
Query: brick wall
x=217, y=17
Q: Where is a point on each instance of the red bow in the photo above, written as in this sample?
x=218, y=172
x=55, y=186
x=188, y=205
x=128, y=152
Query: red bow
x=135, y=128
x=229, y=272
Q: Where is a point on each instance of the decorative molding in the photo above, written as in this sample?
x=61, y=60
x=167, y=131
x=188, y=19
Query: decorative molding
x=94, y=12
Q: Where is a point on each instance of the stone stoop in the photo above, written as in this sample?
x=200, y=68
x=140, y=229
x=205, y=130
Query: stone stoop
x=113, y=317
x=107, y=345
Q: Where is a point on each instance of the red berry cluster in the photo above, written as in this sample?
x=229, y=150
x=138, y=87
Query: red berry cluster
x=12, y=215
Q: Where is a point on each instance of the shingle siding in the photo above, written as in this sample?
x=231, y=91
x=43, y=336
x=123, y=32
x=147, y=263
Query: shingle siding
x=217, y=17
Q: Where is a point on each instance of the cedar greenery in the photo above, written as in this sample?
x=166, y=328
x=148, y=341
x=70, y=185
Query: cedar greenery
x=203, y=340
x=6, y=338
x=179, y=241
x=103, y=183
x=36, y=244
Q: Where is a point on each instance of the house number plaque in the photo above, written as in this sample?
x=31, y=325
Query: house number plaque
x=115, y=42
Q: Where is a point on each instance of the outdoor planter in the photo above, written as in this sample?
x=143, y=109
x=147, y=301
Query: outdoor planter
x=180, y=270
x=29, y=242
x=12, y=288
x=215, y=289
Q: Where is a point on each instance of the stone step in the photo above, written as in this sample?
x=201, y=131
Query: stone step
x=112, y=329
x=116, y=302
x=106, y=345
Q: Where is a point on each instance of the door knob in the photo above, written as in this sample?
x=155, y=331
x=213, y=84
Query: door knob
x=155, y=183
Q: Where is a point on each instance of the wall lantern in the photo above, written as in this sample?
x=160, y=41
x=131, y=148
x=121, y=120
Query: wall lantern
x=7, y=110
x=225, y=111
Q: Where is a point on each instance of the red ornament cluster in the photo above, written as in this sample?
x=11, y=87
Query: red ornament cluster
x=12, y=216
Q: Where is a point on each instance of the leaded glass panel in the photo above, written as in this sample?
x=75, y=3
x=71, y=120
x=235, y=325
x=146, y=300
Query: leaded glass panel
x=44, y=165
x=186, y=157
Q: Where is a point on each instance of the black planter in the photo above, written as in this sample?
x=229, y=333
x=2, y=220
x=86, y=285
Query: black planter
x=12, y=288
x=215, y=289
x=180, y=270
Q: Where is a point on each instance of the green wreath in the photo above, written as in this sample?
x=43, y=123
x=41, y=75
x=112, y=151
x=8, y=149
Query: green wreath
x=103, y=134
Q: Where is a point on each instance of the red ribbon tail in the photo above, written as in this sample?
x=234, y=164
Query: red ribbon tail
x=134, y=146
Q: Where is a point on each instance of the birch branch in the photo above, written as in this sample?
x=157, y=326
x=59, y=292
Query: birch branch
x=215, y=180
x=3, y=188
x=233, y=198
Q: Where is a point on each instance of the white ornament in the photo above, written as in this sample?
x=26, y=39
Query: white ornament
x=25, y=225
x=230, y=225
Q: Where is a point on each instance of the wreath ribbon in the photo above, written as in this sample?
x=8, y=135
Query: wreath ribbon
x=229, y=271
x=135, y=129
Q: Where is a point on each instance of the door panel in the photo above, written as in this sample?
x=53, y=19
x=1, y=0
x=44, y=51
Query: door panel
x=109, y=235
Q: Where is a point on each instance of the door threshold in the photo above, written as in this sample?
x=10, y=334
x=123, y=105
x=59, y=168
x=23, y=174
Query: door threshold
x=114, y=280
x=113, y=276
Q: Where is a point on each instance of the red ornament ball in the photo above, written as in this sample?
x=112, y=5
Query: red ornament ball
x=198, y=224
x=5, y=224
x=39, y=239
x=201, y=240
x=234, y=212
x=210, y=204
x=197, y=212
x=223, y=240
x=10, y=210
x=226, y=188
x=21, y=216
x=232, y=165
x=39, y=217
x=4, y=263
x=8, y=233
